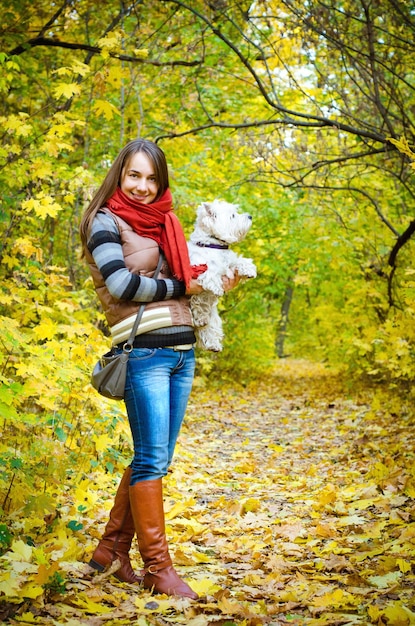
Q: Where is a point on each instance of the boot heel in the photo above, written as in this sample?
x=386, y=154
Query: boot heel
x=95, y=565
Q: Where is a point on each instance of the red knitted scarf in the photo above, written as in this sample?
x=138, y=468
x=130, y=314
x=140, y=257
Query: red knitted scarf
x=156, y=221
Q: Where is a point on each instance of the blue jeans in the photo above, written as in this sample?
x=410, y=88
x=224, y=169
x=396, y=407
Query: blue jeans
x=159, y=381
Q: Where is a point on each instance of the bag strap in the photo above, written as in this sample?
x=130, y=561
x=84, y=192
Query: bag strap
x=128, y=346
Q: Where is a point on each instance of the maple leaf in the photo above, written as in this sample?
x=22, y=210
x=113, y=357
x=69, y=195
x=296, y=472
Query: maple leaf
x=292, y=531
x=204, y=586
x=105, y=108
x=396, y=614
x=182, y=559
x=403, y=145
x=229, y=607
x=328, y=495
x=44, y=206
x=45, y=330
x=67, y=90
x=336, y=563
x=337, y=597
x=21, y=550
x=404, y=566
x=31, y=590
x=45, y=572
x=80, y=68
x=10, y=584
x=26, y=246
x=102, y=442
x=178, y=508
x=95, y=608
x=41, y=168
x=386, y=580
x=325, y=530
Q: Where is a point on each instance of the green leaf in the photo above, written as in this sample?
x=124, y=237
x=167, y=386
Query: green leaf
x=75, y=525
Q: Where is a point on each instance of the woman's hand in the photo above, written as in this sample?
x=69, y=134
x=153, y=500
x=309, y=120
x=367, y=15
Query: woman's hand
x=229, y=283
x=193, y=287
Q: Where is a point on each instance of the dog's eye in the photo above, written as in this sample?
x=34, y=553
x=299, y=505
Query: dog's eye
x=233, y=215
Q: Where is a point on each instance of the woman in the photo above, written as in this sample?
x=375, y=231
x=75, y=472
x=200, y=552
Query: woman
x=129, y=221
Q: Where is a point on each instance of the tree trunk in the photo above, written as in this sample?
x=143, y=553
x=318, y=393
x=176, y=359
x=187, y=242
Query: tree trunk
x=283, y=323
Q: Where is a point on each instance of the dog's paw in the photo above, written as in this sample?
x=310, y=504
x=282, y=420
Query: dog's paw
x=210, y=336
x=214, y=348
x=209, y=345
x=210, y=283
x=247, y=268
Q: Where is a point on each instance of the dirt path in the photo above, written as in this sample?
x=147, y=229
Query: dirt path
x=291, y=502
x=309, y=497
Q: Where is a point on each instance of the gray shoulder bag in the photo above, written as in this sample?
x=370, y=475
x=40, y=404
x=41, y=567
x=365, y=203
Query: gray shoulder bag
x=110, y=372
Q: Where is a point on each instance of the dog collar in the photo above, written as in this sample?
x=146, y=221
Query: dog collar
x=218, y=246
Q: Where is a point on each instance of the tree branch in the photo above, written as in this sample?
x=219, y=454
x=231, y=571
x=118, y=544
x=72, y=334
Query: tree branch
x=400, y=242
x=300, y=184
x=54, y=17
x=290, y=117
x=342, y=159
x=284, y=122
x=373, y=61
x=57, y=43
x=371, y=200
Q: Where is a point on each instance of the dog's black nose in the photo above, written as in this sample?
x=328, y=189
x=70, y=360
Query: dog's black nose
x=249, y=217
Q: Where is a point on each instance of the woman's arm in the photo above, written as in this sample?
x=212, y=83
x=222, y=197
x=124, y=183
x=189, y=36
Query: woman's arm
x=104, y=244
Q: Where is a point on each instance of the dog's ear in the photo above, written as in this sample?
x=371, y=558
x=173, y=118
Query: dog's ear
x=209, y=209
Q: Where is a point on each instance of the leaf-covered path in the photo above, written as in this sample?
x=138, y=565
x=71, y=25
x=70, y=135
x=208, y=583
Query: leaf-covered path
x=289, y=503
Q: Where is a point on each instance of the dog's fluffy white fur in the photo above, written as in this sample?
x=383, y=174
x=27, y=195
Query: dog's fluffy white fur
x=218, y=223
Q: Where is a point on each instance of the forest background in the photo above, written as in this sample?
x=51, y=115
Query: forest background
x=303, y=113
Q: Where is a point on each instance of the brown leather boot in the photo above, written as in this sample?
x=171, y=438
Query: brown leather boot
x=118, y=535
x=146, y=499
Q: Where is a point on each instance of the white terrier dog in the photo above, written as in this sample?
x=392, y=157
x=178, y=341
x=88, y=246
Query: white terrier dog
x=217, y=225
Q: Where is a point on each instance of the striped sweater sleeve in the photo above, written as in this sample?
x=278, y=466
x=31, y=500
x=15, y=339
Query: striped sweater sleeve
x=104, y=244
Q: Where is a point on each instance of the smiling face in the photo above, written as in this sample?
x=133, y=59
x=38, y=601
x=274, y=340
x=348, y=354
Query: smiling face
x=138, y=179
